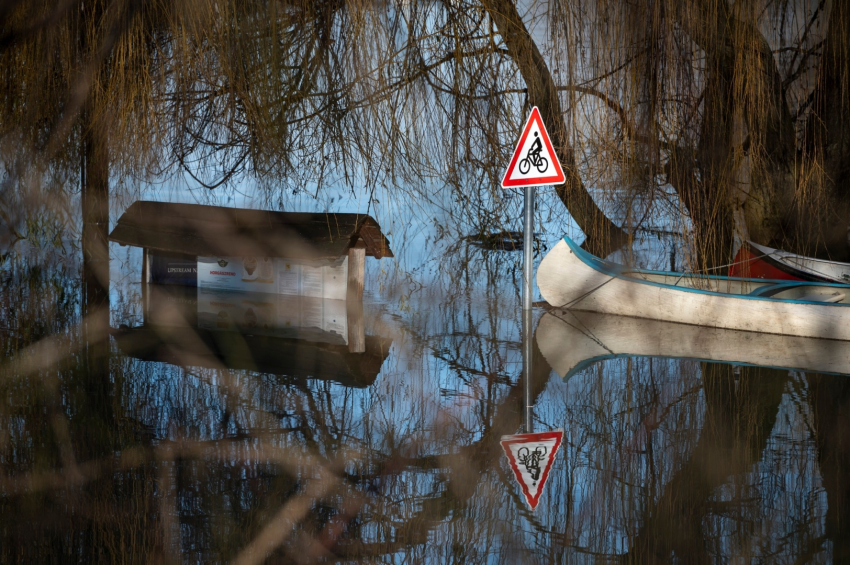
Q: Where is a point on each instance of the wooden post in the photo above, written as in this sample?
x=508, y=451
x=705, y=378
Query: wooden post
x=356, y=270
x=356, y=327
x=354, y=298
x=146, y=266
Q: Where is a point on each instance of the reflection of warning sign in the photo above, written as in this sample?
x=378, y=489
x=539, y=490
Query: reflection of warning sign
x=534, y=161
x=531, y=456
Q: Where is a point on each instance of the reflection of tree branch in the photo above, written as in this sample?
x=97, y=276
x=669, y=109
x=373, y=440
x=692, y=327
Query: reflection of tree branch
x=829, y=398
x=807, y=52
x=794, y=75
x=464, y=470
x=738, y=420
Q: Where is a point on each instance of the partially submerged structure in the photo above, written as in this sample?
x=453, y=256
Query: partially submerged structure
x=242, y=249
x=318, y=258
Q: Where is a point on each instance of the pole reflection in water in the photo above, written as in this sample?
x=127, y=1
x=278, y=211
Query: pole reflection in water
x=527, y=368
x=530, y=455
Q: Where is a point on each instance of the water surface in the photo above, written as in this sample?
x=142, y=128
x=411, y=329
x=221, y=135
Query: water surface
x=124, y=442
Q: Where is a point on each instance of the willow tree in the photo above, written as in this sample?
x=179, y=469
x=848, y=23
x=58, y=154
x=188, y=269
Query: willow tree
x=99, y=91
x=737, y=108
x=296, y=92
x=728, y=116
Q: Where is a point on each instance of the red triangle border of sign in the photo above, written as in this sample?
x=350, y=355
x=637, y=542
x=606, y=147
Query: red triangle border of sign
x=557, y=178
x=558, y=436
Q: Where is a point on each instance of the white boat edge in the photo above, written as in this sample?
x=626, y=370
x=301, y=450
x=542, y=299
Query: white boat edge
x=833, y=270
x=570, y=277
x=571, y=341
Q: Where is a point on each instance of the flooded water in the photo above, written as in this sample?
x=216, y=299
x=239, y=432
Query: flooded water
x=135, y=427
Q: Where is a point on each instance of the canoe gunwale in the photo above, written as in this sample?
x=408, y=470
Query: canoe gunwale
x=620, y=272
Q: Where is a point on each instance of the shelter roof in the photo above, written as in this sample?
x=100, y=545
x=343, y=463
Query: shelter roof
x=195, y=229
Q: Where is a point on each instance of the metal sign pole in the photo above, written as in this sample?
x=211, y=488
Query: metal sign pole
x=527, y=274
x=528, y=247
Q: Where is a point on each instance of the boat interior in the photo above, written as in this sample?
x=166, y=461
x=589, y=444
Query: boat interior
x=782, y=290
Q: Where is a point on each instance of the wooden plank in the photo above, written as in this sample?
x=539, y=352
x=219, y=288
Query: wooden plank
x=354, y=300
x=375, y=242
x=146, y=266
x=356, y=272
x=146, y=279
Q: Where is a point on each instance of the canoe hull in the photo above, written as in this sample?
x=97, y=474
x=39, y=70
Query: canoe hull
x=565, y=280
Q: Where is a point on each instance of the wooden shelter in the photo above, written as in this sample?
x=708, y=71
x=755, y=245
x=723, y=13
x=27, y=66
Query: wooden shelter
x=175, y=236
x=235, y=249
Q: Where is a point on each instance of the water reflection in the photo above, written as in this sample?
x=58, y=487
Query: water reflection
x=293, y=337
x=176, y=439
x=701, y=455
x=593, y=337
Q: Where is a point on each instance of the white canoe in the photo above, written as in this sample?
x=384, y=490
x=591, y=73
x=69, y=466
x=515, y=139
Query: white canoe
x=569, y=277
x=571, y=341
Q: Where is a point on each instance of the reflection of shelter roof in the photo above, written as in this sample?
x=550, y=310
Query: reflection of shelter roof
x=194, y=229
x=192, y=347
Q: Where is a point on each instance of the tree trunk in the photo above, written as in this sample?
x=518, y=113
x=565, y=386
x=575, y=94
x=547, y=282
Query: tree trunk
x=741, y=76
x=95, y=212
x=603, y=236
x=709, y=202
x=821, y=220
x=772, y=141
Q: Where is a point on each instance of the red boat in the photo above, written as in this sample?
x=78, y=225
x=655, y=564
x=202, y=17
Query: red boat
x=760, y=262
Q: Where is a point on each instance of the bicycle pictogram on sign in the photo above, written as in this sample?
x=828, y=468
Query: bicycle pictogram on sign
x=530, y=457
x=533, y=157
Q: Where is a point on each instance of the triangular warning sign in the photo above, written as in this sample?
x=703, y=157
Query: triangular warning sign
x=531, y=456
x=534, y=162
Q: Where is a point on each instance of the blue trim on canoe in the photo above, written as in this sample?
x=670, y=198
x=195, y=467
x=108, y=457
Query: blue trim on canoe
x=617, y=271
x=587, y=363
